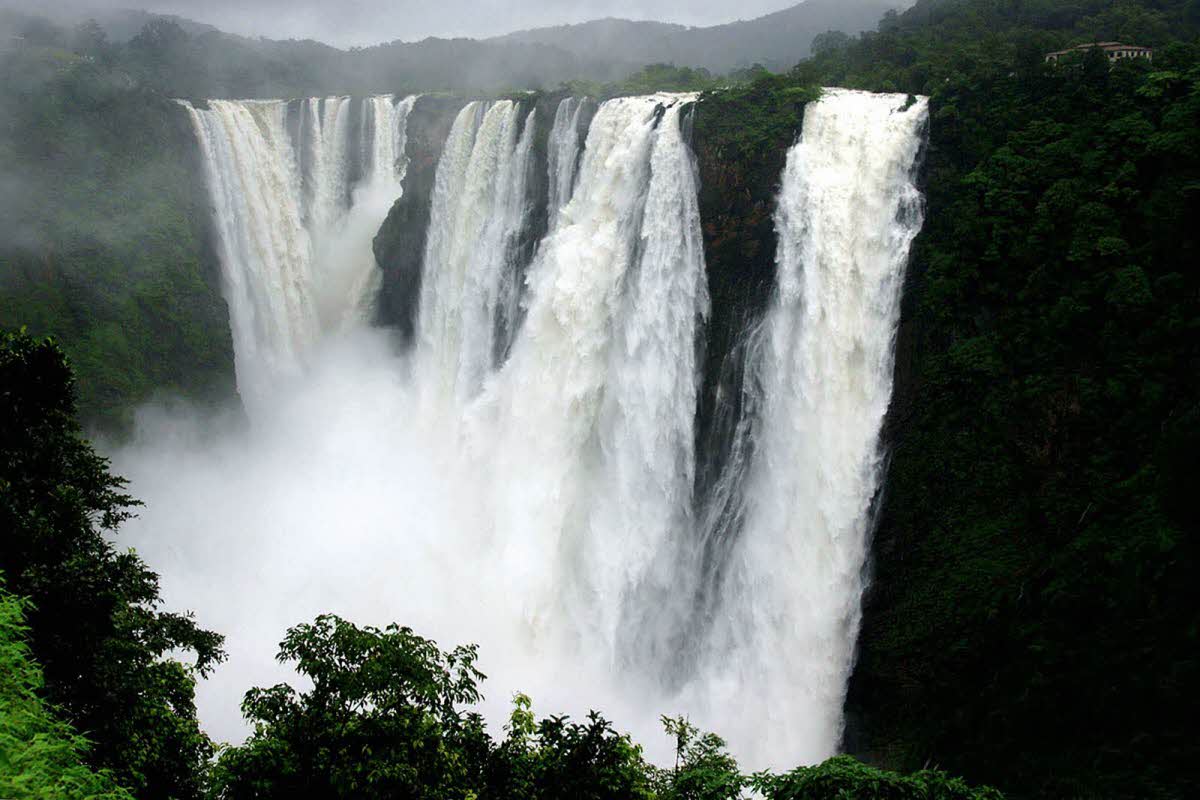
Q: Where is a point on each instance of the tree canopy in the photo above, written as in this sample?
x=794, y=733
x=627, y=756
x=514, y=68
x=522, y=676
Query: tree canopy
x=95, y=626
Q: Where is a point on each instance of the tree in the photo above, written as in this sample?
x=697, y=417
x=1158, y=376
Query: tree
x=382, y=719
x=96, y=628
x=89, y=39
x=704, y=769
x=41, y=758
x=829, y=41
x=588, y=761
x=843, y=777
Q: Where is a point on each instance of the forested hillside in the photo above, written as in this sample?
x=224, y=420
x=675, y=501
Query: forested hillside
x=776, y=40
x=1034, y=616
x=104, y=227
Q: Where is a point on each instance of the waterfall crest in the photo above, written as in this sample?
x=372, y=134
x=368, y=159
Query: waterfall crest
x=469, y=295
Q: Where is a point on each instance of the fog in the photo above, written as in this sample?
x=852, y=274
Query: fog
x=339, y=500
x=364, y=22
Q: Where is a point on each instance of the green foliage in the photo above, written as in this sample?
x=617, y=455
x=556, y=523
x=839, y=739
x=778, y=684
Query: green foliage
x=95, y=626
x=41, y=758
x=382, y=719
x=704, y=769
x=843, y=777
x=1033, y=622
x=651, y=78
x=104, y=232
x=587, y=760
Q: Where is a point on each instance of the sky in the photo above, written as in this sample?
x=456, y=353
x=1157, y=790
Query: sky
x=364, y=22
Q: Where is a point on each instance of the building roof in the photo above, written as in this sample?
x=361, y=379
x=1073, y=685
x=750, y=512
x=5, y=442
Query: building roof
x=1102, y=46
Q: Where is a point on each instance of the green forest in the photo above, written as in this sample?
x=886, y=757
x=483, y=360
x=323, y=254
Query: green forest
x=1029, y=624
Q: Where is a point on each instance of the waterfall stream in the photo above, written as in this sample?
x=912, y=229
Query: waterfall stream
x=848, y=212
x=293, y=234
x=523, y=477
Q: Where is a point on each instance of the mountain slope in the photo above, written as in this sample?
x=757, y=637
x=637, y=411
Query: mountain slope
x=777, y=40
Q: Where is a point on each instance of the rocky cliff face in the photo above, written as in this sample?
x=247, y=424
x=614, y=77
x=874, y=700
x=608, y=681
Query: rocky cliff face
x=400, y=243
x=741, y=141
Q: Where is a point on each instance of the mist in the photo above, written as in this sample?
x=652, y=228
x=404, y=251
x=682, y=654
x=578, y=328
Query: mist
x=345, y=482
x=341, y=501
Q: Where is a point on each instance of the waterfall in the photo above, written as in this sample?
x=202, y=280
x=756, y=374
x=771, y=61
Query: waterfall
x=326, y=138
x=265, y=249
x=593, y=410
x=294, y=237
x=525, y=477
x=562, y=154
x=385, y=138
x=479, y=207
x=848, y=212
x=352, y=277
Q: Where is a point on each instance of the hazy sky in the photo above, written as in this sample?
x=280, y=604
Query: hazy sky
x=349, y=22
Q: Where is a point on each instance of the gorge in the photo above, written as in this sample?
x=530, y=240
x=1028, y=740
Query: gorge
x=856, y=420
x=534, y=443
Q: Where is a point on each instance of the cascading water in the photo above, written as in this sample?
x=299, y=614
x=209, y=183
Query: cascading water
x=524, y=477
x=326, y=138
x=562, y=154
x=468, y=299
x=295, y=251
x=266, y=252
x=351, y=275
x=848, y=213
x=594, y=408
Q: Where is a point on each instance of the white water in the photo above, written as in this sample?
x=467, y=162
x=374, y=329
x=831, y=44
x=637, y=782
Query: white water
x=265, y=249
x=469, y=293
x=523, y=480
x=562, y=154
x=594, y=407
x=848, y=212
x=352, y=278
x=326, y=140
x=295, y=251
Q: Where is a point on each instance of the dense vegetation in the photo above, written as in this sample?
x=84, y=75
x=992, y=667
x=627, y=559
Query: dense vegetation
x=103, y=229
x=387, y=713
x=95, y=626
x=1034, y=617
x=1034, y=620
x=41, y=758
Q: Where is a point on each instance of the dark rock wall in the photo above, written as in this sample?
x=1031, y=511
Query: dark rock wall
x=400, y=244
